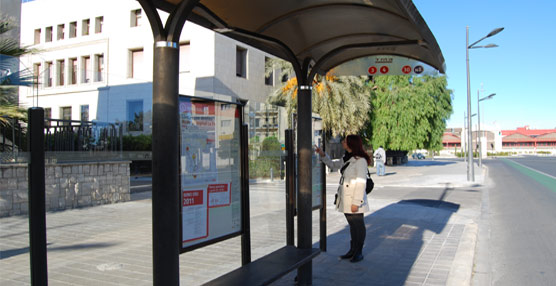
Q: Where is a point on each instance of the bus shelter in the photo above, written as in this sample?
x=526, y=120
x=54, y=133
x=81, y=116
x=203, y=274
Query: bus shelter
x=345, y=37
x=314, y=36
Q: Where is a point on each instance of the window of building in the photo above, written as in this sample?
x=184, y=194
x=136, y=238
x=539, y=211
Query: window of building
x=73, y=30
x=185, y=52
x=135, y=115
x=85, y=69
x=65, y=114
x=47, y=115
x=241, y=62
x=60, y=67
x=36, y=73
x=99, y=67
x=72, y=71
x=135, y=18
x=37, y=36
x=48, y=74
x=48, y=34
x=225, y=123
x=61, y=29
x=268, y=79
x=84, y=114
x=85, y=27
x=98, y=24
x=136, y=63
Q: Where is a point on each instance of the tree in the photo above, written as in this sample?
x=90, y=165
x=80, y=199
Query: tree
x=10, y=50
x=342, y=102
x=397, y=112
x=409, y=112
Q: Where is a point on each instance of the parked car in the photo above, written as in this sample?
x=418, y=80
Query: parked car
x=417, y=156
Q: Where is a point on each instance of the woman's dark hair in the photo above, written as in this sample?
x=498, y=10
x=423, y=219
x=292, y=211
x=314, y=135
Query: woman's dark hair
x=355, y=143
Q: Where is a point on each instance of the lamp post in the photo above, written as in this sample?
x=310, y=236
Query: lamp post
x=465, y=127
x=479, y=125
x=470, y=171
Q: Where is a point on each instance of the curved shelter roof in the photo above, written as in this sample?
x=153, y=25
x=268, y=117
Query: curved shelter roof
x=325, y=32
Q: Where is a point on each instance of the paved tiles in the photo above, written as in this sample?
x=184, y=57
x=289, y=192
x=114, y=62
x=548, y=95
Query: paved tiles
x=413, y=237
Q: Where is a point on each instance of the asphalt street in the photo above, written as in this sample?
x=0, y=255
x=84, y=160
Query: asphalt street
x=516, y=241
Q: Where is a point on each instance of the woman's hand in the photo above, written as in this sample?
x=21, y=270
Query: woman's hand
x=354, y=208
x=319, y=151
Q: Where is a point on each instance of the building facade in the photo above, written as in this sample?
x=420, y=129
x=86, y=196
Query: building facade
x=95, y=63
x=522, y=140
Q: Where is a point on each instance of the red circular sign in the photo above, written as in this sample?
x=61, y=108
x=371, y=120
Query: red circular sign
x=372, y=70
x=406, y=69
x=384, y=69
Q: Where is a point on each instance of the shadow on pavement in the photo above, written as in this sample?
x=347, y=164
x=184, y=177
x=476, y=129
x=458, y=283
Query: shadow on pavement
x=426, y=163
x=398, y=237
x=13, y=252
x=385, y=174
x=4, y=254
x=81, y=246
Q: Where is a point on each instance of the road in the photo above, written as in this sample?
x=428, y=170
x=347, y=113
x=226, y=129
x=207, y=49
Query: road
x=516, y=243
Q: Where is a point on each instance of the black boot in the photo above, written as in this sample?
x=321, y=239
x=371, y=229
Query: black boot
x=358, y=254
x=350, y=253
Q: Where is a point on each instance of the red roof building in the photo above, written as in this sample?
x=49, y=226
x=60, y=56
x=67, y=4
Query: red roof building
x=525, y=138
x=520, y=140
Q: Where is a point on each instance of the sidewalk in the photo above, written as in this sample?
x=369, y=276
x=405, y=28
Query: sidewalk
x=421, y=231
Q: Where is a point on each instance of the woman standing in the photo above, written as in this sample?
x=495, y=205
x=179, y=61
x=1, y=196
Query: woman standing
x=351, y=198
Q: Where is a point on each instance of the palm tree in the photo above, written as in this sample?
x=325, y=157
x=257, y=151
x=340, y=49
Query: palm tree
x=343, y=102
x=10, y=51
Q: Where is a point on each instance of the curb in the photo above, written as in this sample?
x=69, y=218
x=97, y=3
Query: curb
x=462, y=266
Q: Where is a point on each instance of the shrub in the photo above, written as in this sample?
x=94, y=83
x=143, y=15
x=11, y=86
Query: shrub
x=137, y=143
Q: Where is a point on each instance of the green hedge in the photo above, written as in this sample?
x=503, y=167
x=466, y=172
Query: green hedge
x=137, y=143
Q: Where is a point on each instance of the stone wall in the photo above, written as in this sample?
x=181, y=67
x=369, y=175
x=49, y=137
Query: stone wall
x=67, y=185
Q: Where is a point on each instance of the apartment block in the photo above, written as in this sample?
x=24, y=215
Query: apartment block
x=96, y=63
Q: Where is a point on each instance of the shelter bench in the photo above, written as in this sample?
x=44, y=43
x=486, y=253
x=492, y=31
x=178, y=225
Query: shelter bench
x=267, y=269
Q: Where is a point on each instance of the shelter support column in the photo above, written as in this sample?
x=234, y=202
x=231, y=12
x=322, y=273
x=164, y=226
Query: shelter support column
x=304, y=175
x=165, y=142
x=165, y=160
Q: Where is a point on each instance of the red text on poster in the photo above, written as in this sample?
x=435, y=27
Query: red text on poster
x=192, y=198
x=219, y=195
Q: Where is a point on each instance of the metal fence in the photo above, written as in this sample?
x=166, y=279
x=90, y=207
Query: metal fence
x=65, y=140
x=12, y=139
x=73, y=135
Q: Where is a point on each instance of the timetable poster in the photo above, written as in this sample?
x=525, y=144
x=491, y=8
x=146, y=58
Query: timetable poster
x=210, y=164
x=316, y=182
x=194, y=214
x=219, y=195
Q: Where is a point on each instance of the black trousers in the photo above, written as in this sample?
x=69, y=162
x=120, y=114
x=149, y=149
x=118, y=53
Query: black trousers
x=357, y=230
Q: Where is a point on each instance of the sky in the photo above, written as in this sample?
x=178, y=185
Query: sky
x=521, y=71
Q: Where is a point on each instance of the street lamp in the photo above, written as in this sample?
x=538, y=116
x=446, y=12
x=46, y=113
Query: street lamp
x=465, y=127
x=479, y=125
x=470, y=172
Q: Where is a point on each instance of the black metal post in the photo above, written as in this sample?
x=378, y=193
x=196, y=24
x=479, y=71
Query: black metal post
x=304, y=173
x=290, y=188
x=165, y=165
x=322, y=211
x=245, y=215
x=37, y=209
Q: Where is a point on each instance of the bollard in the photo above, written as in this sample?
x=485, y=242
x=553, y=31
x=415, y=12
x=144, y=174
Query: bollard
x=271, y=174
